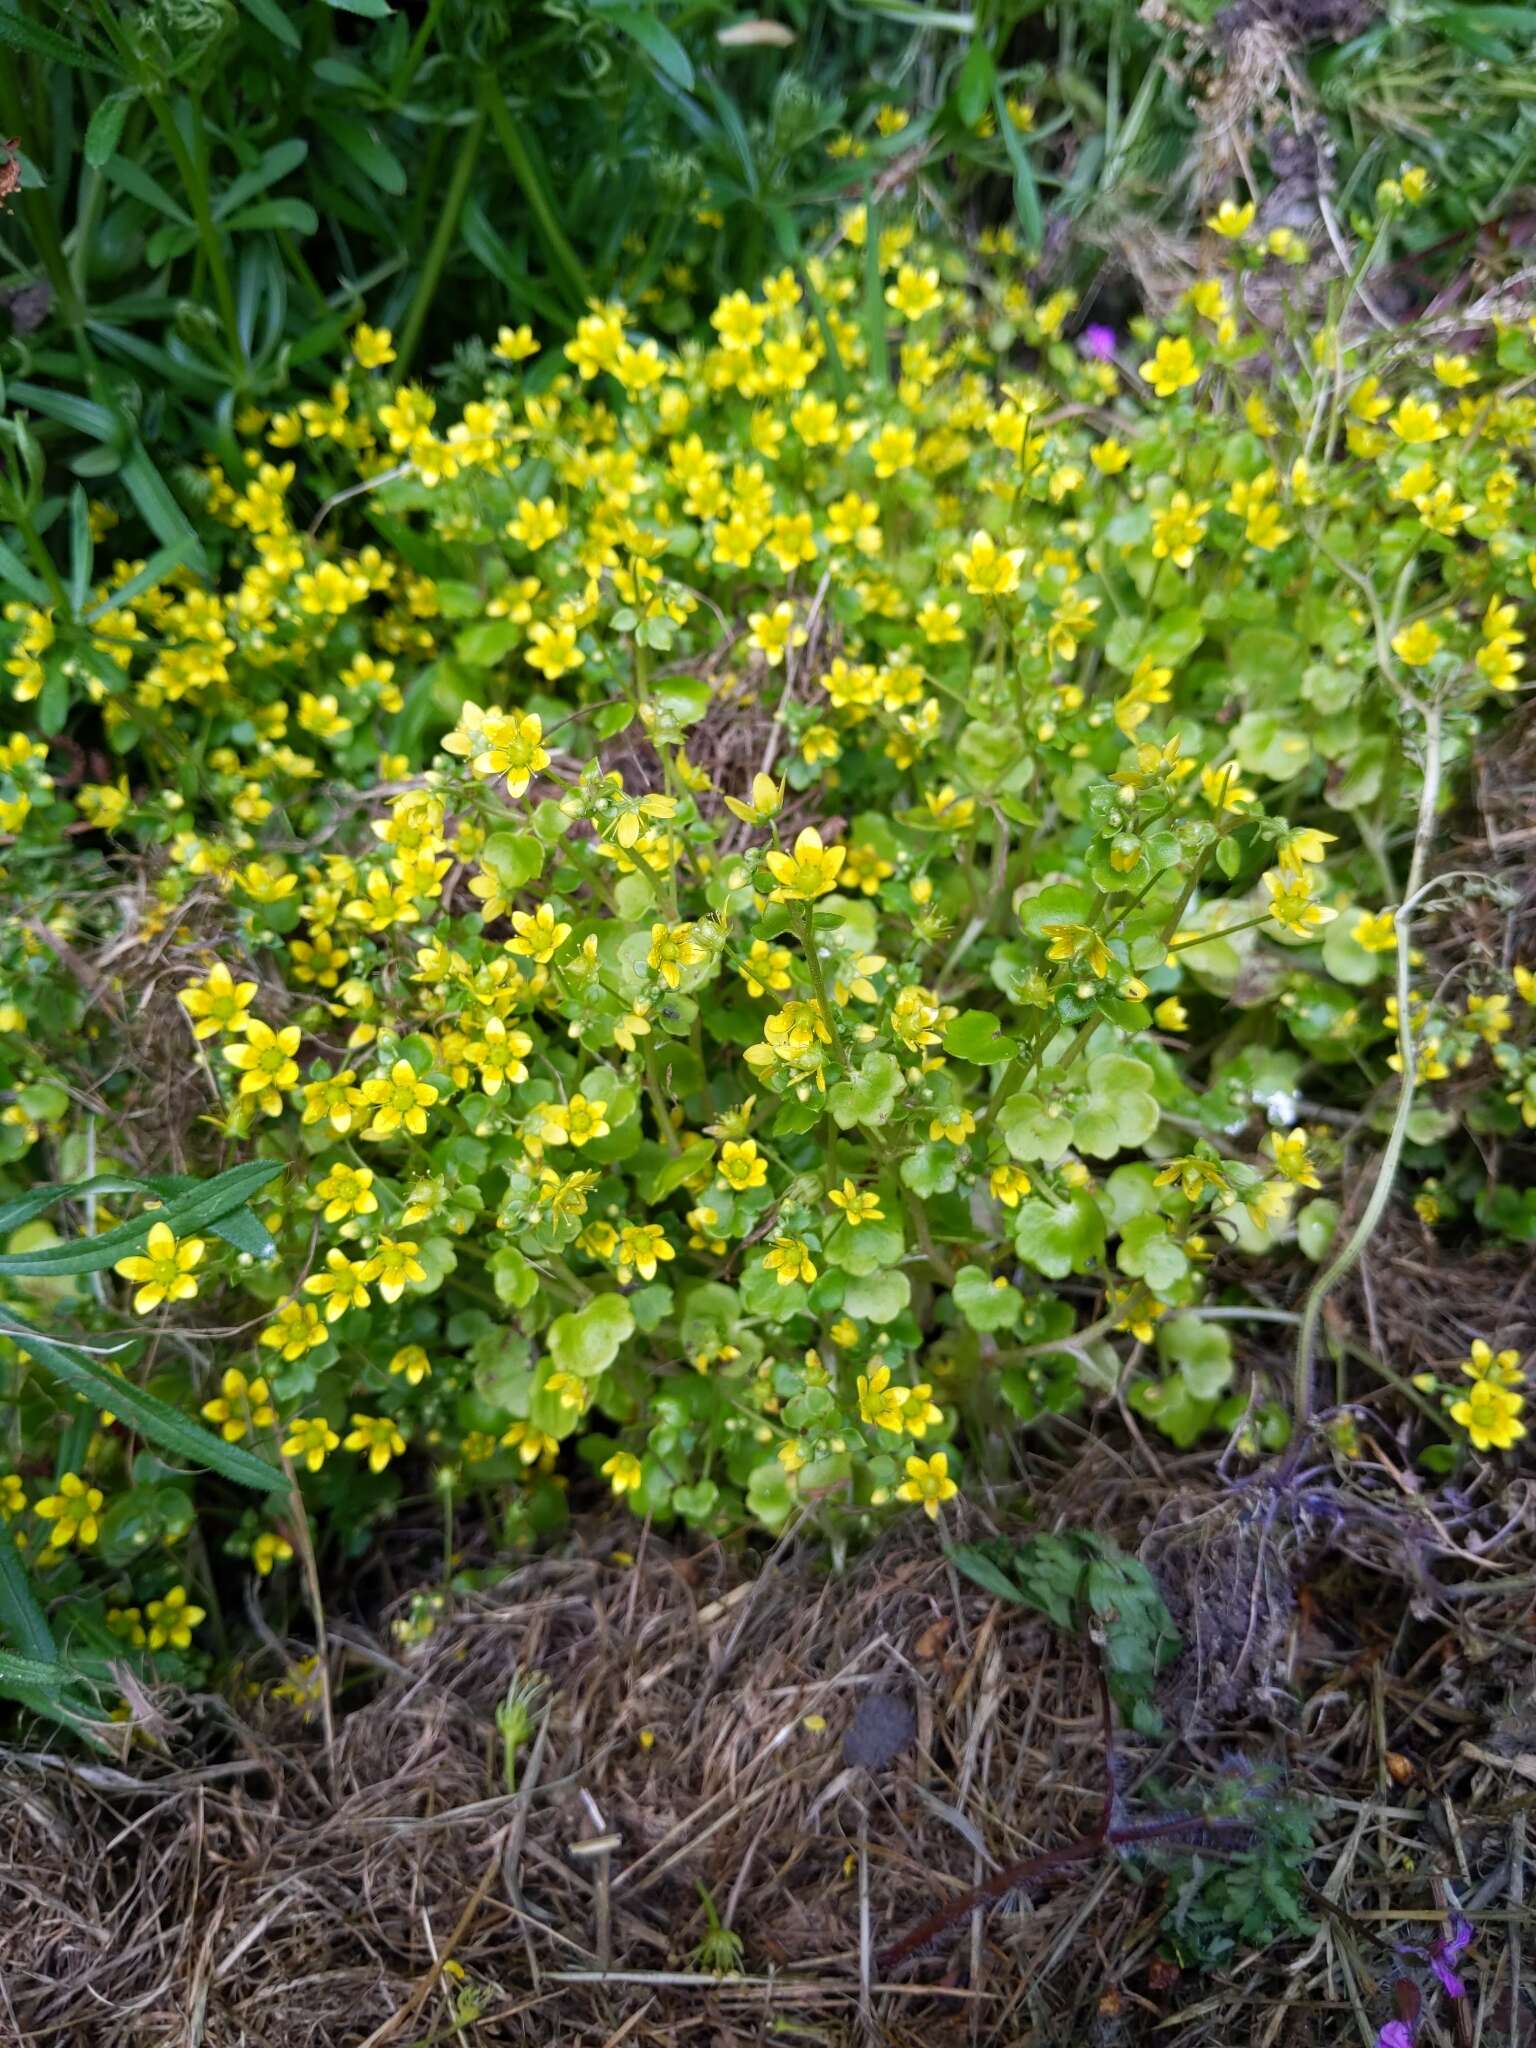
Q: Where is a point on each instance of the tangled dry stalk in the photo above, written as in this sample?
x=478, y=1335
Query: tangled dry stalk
x=235, y=1884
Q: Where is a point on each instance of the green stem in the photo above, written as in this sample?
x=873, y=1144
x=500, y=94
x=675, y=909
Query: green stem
x=191, y=167
x=442, y=240
x=562, y=256
x=1386, y=1172
x=807, y=934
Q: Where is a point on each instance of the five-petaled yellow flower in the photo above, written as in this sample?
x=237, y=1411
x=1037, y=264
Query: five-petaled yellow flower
x=810, y=871
x=163, y=1271
x=928, y=1481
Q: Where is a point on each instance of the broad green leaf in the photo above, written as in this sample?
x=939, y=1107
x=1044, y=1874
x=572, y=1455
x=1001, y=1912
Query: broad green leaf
x=1147, y=1252
x=1058, y=1238
x=976, y=1035
x=586, y=1341
x=869, y=1095
x=1120, y=1111
x=877, y=1297
x=1033, y=1129
x=985, y=1303
x=1202, y=1352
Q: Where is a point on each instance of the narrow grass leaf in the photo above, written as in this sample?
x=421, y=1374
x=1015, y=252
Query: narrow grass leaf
x=274, y=21
x=155, y=1420
x=22, y=1616
x=198, y=1209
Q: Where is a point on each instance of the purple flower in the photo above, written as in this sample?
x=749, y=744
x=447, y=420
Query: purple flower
x=1097, y=342
x=1395, y=2034
x=1445, y=1952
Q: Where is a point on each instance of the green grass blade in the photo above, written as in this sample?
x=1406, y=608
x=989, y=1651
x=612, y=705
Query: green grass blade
x=158, y=508
x=1026, y=193
x=535, y=188
x=154, y=572
x=274, y=163
x=37, y=41
x=15, y=573
x=21, y=1615
x=200, y=1208
x=274, y=21
x=155, y=1420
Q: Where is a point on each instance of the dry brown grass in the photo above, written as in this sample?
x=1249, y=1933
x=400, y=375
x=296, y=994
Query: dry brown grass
x=244, y=1887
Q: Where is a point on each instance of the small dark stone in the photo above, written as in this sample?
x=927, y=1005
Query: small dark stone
x=29, y=306
x=882, y=1728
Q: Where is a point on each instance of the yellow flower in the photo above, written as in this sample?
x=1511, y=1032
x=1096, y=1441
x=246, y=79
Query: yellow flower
x=536, y=524
x=311, y=1441
x=1288, y=1149
x=914, y=293
x=577, y=1122
x=766, y=802
x=1231, y=220
x=810, y=871
x=1178, y=529
x=623, y=1470
x=501, y=743
x=1490, y=1413
x=540, y=935
x=1291, y=904
x=954, y=1125
x=398, y=1100
x=411, y=1363
x=1417, y=421
x=372, y=347
x=1010, y=1184
x=1416, y=644
x=242, y=1406
x=790, y=1260
x=987, y=569
x=266, y=1063
x=1375, y=931
x=859, y=1205
x=268, y=1550
x=347, y=1191
x=164, y=1270
x=773, y=634
x=673, y=948
x=396, y=1266
x=218, y=1002
x=514, y=344
x=379, y=1436
x=1171, y=368
x=343, y=1284
x=1502, y=1367
x=641, y=1247
x=928, y=1481
x=880, y=1404
x=172, y=1620
x=295, y=1329
x=1170, y=1015
x=73, y=1511
x=740, y=1167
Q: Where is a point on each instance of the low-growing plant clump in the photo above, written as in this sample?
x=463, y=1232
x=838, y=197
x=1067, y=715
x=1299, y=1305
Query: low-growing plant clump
x=761, y=915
